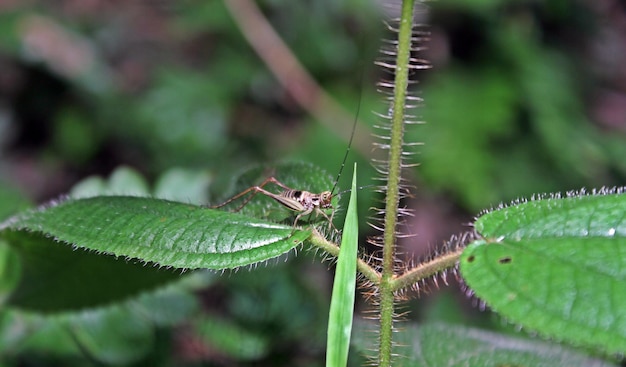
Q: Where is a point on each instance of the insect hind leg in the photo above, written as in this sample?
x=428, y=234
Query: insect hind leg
x=254, y=190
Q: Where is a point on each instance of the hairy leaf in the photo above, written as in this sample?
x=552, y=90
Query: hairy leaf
x=164, y=232
x=556, y=266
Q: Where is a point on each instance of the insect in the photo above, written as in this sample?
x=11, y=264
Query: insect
x=300, y=201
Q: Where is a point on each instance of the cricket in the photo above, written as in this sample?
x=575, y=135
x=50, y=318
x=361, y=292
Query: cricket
x=301, y=202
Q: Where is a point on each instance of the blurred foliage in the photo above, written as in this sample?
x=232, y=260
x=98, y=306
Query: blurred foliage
x=157, y=85
x=517, y=103
x=510, y=110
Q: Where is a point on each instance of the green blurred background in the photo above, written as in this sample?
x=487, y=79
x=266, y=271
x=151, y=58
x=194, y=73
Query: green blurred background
x=524, y=97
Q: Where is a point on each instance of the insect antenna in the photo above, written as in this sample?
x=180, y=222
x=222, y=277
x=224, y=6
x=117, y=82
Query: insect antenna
x=356, y=119
x=358, y=188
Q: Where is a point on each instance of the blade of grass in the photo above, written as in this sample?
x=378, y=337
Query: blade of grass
x=344, y=288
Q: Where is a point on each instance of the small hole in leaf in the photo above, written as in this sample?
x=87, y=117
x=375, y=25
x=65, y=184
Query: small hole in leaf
x=505, y=260
x=470, y=259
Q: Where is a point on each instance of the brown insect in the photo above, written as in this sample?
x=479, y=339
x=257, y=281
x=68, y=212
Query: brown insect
x=300, y=201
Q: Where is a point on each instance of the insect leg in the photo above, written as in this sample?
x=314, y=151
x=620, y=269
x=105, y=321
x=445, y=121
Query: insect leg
x=244, y=192
x=329, y=219
x=273, y=180
x=306, y=212
x=254, y=189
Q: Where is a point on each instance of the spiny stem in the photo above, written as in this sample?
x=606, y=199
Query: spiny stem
x=331, y=248
x=426, y=270
x=393, y=183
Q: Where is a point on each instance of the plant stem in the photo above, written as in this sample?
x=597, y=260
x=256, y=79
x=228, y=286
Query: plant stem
x=426, y=270
x=331, y=248
x=393, y=183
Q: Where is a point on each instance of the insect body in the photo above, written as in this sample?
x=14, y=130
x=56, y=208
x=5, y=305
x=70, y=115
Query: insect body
x=300, y=201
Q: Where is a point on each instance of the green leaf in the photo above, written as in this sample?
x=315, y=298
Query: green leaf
x=113, y=336
x=442, y=345
x=167, y=306
x=231, y=339
x=121, y=333
x=555, y=266
x=344, y=288
x=9, y=271
x=164, y=232
x=55, y=277
x=30, y=333
x=167, y=233
x=41, y=274
x=282, y=296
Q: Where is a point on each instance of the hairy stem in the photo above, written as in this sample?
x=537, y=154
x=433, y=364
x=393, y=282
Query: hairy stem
x=393, y=182
x=333, y=249
x=426, y=270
